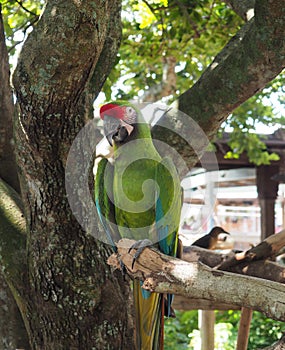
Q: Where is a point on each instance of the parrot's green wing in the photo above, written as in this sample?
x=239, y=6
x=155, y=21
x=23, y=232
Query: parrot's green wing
x=151, y=307
x=168, y=206
x=104, y=200
x=167, y=212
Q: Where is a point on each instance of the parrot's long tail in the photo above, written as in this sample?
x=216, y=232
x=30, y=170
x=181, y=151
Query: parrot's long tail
x=149, y=318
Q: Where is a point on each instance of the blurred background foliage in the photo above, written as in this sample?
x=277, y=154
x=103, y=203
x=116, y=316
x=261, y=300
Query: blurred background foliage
x=182, y=332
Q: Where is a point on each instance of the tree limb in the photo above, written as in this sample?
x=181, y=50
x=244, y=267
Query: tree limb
x=165, y=274
x=266, y=249
x=265, y=269
x=277, y=346
x=8, y=168
x=12, y=239
x=243, y=8
x=260, y=268
x=13, y=334
x=107, y=58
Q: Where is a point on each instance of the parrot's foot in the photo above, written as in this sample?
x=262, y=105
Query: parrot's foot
x=139, y=246
x=123, y=269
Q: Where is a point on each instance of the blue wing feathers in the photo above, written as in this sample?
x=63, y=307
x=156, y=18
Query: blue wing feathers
x=105, y=226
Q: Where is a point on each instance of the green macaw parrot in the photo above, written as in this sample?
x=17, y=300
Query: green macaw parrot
x=139, y=197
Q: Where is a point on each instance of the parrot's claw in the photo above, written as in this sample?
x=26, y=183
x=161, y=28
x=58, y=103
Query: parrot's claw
x=123, y=269
x=139, y=246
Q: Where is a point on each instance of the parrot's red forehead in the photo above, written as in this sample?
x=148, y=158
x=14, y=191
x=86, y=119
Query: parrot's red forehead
x=112, y=110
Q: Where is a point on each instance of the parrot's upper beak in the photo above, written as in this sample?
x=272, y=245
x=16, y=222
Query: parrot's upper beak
x=116, y=129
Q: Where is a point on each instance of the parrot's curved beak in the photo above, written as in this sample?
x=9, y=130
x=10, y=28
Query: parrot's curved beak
x=116, y=129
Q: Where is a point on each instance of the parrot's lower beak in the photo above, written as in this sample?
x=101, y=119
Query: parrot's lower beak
x=116, y=129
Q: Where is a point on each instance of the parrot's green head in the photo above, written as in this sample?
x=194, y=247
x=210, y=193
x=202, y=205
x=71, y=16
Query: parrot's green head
x=119, y=121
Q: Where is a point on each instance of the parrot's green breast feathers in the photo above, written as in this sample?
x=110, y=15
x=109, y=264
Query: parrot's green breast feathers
x=141, y=195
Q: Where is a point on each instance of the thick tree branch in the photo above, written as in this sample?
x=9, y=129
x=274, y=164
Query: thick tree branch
x=243, y=68
x=106, y=60
x=13, y=334
x=108, y=55
x=260, y=268
x=187, y=303
x=8, y=168
x=243, y=8
x=164, y=274
x=266, y=249
x=265, y=269
x=12, y=239
x=59, y=63
x=277, y=346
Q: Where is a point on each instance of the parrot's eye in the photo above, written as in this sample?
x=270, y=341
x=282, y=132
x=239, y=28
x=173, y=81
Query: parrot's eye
x=130, y=110
x=130, y=115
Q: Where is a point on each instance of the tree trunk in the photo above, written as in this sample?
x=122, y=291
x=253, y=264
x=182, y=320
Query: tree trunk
x=72, y=299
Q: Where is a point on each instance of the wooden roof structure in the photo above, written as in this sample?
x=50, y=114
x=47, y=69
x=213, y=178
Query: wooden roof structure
x=267, y=178
x=274, y=143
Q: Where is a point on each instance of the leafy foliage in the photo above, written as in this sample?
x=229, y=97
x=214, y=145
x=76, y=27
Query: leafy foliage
x=244, y=120
x=182, y=332
x=190, y=32
x=19, y=18
x=177, y=329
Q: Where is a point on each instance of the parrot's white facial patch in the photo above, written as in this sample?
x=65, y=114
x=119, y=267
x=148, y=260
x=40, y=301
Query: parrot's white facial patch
x=130, y=116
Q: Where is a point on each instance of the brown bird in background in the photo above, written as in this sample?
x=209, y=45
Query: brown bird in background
x=209, y=241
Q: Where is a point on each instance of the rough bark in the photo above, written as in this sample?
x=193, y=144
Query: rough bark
x=12, y=330
x=277, y=346
x=244, y=67
x=244, y=8
x=69, y=281
x=260, y=268
x=12, y=275
x=13, y=333
x=8, y=168
x=265, y=269
x=165, y=274
x=266, y=249
x=12, y=237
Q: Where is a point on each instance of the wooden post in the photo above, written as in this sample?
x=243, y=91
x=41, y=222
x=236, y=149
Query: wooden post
x=244, y=327
x=207, y=317
x=267, y=192
x=267, y=217
x=207, y=325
